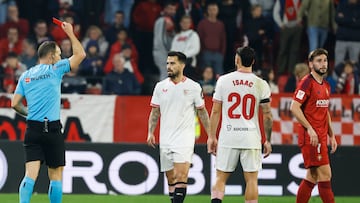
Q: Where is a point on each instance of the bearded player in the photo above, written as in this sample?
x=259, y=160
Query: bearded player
x=176, y=100
x=310, y=107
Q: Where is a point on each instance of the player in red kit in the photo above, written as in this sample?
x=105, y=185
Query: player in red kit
x=310, y=107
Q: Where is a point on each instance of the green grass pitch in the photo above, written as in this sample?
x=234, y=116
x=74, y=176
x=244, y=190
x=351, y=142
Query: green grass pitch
x=42, y=198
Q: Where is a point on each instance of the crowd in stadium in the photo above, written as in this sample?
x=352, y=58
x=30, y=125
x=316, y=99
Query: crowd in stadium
x=127, y=40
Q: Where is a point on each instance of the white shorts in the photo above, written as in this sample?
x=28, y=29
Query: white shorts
x=170, y=156
x=227, y=159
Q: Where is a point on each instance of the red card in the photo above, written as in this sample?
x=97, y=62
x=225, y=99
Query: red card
x=57, y=21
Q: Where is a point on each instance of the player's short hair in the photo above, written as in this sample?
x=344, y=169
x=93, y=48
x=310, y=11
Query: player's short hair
x=317, y=52
x=247, y=55
x=46, y=47
x=180, y=56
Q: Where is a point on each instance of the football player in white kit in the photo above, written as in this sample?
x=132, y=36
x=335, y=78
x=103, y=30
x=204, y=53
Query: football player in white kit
x=176, y=100
x=237, y=98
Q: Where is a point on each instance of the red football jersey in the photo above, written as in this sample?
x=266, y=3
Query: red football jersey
x=315, y=100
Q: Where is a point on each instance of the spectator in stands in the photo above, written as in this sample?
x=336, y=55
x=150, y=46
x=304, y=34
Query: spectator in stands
x=58, y=33
x=122, y=38
x=144, y=16
x=300, y=70
x=40, y=33
x=285, y=16
x=213, y=40
x=255, y=30
x=266, y=7
x=348, y=81
x=208, y=81
x=120, y=81
x=164, y=32
x=191, y=8
x=348, y=32
x=13, y=20
x=66, y=48
x=320, y=19
x=29, y=55
x=72, y=83
x=92, y=13
x=112, y=6
x=330, y=79
x=231, y=14
x=12, y=43
x=267, y=12
x=115, y=27
x=66, y=8
x=3, y=10
x=94, y=33
x=10, y=71
x=269, y=76
x=92, y=66
x=187, y=41
x=130, y=62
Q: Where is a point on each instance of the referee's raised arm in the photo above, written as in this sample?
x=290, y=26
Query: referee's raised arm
x=78, y=51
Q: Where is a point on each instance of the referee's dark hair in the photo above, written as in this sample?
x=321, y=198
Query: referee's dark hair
x=181, y=56
x=247, y=56
x=46, y=47
x=317, y=52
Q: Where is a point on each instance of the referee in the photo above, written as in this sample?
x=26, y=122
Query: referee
x=41, y=87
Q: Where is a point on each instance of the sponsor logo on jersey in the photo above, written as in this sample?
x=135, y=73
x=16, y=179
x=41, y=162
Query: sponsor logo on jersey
x=300, y=94
x=164, y=90
x=228, y=127
x=40, y=77
x=27, y=80
x=241, y=129
x=322, y=103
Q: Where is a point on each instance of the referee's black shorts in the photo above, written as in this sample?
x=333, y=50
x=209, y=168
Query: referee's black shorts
x=45, y=145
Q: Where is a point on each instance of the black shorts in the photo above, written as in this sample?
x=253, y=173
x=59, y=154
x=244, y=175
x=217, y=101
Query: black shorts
x=45, y=146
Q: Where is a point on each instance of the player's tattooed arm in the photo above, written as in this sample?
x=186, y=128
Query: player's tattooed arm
x=153, y=119
x=204, y=118
x=268, y=120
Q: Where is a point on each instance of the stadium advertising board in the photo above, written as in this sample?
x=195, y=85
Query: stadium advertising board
x=84, y=118
x=134, y=170
x=109, y=119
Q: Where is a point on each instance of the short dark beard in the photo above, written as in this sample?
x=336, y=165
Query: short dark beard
x=173, y=75
x=319, y=72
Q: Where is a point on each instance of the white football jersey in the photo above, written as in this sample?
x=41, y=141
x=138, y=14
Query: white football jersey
x=240, y=94
x=178, y=104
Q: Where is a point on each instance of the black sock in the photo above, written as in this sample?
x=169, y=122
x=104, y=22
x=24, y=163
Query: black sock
x=171, y=195
x=179, y=195
x=216, y=200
